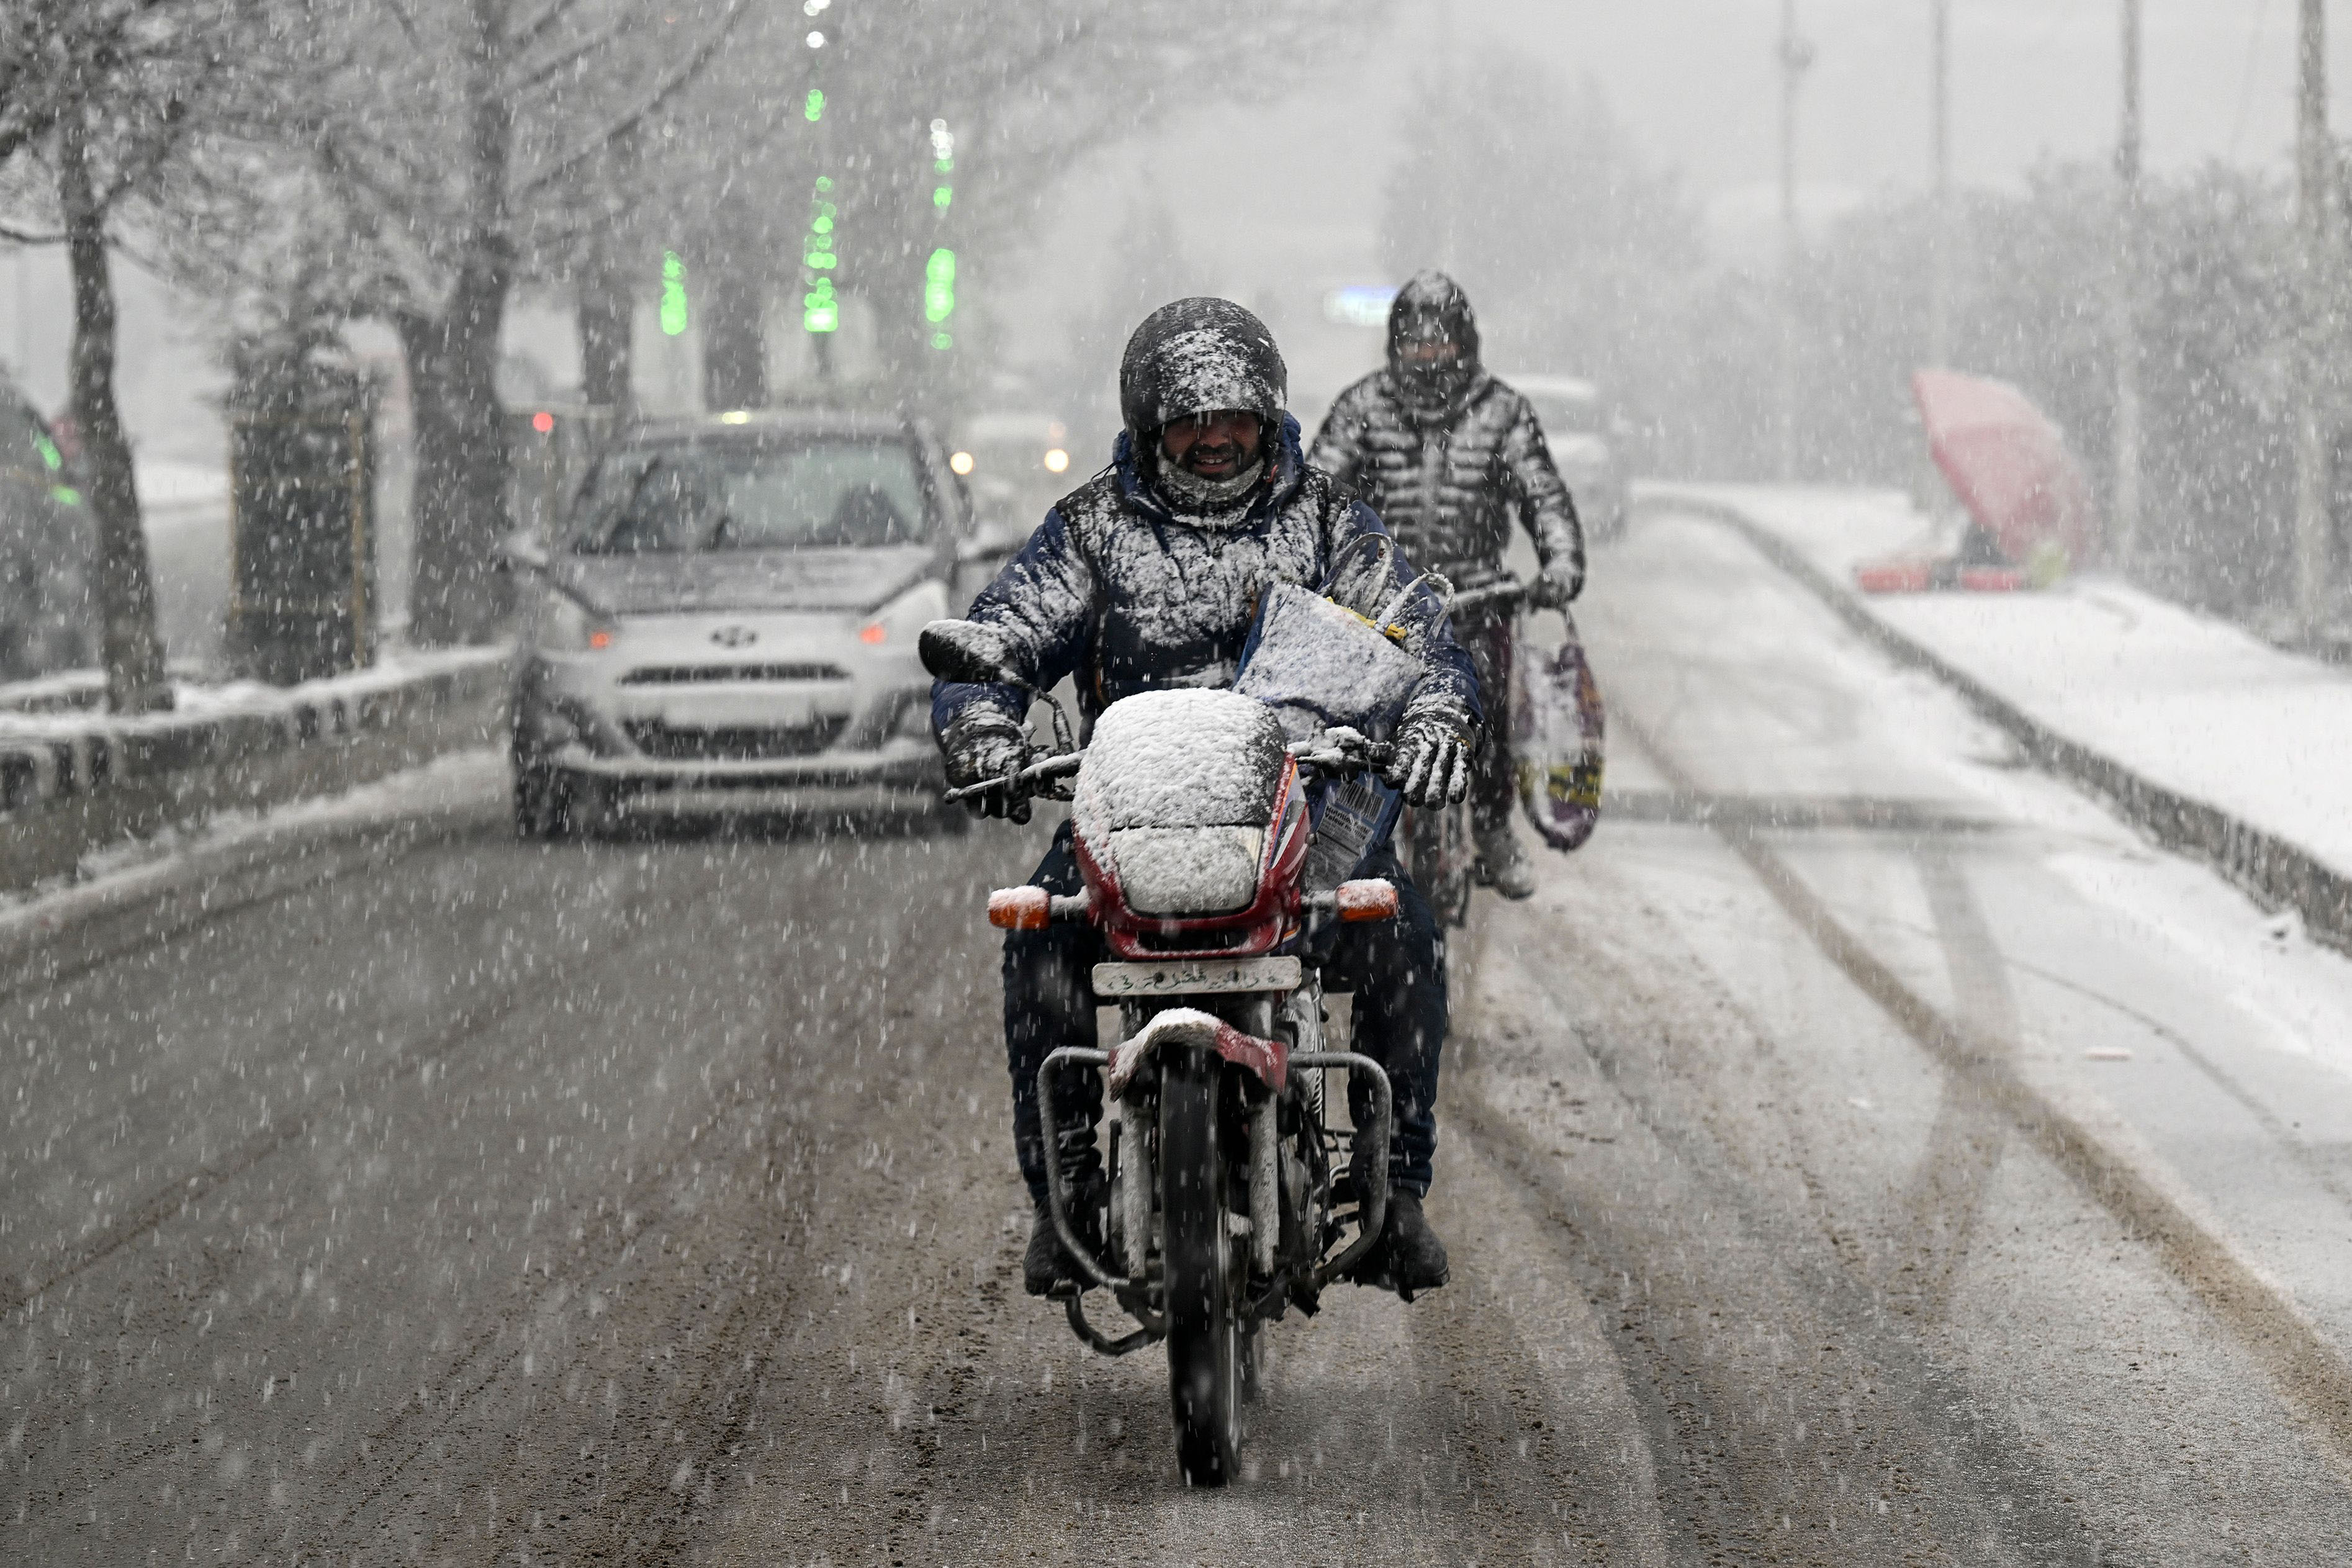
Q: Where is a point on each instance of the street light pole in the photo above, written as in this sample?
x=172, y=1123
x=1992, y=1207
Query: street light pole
x=1796, y=58
x=2314, y=169
x=1939, y=277
x=2127, y=429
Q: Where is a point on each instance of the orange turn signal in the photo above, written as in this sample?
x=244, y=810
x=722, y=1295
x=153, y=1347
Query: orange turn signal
x=1372, y=899
x=1031, y=909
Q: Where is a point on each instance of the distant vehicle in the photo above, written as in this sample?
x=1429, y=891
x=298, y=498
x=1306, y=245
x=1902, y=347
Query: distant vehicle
x=726, y=619
x=1017, y=466
x=48, y=620
x=1587, y=443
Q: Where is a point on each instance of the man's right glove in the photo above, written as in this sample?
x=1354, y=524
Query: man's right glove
x=1432, y=763
x=984, y=750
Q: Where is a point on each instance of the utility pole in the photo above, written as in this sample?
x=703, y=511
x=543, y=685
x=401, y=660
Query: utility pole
x=1939, y=275
x=2313, y=175
x=1796, y=59
x=2127, y=429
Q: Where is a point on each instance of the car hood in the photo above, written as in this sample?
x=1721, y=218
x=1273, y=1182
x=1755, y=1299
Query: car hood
x=745, y=579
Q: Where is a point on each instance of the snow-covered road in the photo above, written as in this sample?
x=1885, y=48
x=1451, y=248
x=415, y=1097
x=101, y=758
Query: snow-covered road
x=1863, y=1151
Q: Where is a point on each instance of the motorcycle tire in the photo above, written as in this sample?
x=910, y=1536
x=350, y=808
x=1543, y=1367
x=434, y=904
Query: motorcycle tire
x=1203, y=1273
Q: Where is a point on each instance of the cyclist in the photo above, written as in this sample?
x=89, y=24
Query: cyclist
x=1450, y=457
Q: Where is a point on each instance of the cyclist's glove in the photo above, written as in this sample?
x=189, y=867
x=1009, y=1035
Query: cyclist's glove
x=1558, y=585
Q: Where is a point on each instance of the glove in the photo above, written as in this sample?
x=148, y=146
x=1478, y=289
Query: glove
x=1558, y=585
x=1431, y=765
x=984, y=752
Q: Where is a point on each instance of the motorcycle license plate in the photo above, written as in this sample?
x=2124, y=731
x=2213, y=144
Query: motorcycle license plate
x=1195, y=976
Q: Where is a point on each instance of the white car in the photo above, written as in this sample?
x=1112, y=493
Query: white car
x=727, y=621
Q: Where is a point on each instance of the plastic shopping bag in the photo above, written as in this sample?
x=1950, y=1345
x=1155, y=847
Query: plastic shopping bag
x=1555, y=732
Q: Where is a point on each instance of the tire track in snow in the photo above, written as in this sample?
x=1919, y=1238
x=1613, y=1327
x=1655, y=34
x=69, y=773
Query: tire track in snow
x=2312, y=1377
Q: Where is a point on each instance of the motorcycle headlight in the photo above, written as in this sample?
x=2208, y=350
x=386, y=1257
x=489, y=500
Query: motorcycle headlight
x=564, y=626
x=897, y=621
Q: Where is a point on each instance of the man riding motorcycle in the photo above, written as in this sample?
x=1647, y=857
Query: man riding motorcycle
x=1148, y=576
x=1449, y=456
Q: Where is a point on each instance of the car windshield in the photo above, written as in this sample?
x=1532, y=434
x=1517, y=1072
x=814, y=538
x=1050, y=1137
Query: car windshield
x=815, y=494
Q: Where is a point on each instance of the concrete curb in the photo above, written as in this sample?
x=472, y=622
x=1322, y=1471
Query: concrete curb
x=2275, y=872
x=76, y=783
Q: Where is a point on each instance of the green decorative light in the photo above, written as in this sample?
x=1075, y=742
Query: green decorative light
x=822, y=260
x=673, y=295
x=942, y=197
x=820, y=309
x=65, y=495
x=943, y=341
x=814, y=109
x=824, y=184
x=939, y=285
x=50, y=457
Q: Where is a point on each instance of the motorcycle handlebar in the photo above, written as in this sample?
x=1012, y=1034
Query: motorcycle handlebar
x=1511, y=592
x=1044, y=771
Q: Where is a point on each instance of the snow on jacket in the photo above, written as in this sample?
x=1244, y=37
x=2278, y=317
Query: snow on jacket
x=1450, y=487
x=1119, y=591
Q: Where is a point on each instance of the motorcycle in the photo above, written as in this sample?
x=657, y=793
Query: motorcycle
x=1215, y=848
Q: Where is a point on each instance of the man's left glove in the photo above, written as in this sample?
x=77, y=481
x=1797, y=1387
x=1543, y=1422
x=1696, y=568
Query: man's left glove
x=984, y=750
x=1432, y=763
x=1558, y=585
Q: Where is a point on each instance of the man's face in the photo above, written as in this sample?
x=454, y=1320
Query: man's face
x=1215, y=446
x=1432, y=352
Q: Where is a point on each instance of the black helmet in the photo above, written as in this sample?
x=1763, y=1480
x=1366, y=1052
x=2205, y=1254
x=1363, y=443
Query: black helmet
x=1194, y=355
x=1432, y=307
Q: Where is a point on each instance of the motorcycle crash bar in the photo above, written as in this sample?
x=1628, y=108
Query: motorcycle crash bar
x=1032, y=908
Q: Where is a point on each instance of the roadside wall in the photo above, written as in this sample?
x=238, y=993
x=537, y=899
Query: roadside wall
x=72, y=783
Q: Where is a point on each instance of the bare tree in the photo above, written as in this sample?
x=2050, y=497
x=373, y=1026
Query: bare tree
x=448, y=141
x=106, y=107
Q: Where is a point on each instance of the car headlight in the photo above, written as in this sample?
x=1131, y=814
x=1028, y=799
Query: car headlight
x=564, y=626
x=898, y=621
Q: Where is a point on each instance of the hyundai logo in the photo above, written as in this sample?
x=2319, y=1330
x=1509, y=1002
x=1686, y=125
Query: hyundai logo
x=734, y=636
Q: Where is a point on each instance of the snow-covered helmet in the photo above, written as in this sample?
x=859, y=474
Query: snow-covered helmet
x=1432, y=307
x=1195, y=355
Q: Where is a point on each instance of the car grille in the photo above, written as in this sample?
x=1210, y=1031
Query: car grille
x=711, y=674
x=744, y=744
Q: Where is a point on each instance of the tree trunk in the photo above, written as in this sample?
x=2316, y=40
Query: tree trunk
x=605, y=323
x=734, y=338
x=135, y=681
x=458, y=595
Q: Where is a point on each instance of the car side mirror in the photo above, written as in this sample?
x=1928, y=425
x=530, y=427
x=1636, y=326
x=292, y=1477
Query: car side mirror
x=521, y=552
x=965, y=652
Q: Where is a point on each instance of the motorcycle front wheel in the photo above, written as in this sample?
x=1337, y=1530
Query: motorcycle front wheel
x=1203, y=1276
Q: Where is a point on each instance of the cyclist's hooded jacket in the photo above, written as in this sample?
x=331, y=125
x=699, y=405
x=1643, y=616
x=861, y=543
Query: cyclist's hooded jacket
x=1450, y=465
x=1138, y=580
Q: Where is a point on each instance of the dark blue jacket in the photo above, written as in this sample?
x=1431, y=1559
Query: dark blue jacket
x=1116, y=590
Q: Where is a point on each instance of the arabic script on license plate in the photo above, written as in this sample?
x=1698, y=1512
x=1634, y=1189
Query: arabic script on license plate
x=1196, y=976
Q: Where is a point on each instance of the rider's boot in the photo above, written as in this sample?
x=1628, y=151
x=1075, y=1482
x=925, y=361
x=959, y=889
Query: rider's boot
x=1416, y=1258
x=1503, y=865
x=1409, y=1258
x=1046, y=1262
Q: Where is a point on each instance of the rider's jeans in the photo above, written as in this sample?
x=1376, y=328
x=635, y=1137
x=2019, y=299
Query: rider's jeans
x=1494, y=775
x=1392, y=967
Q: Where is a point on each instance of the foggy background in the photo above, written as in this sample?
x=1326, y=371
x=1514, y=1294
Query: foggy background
x=1601, y=176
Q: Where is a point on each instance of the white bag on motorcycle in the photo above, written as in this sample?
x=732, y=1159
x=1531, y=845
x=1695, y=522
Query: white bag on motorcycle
x=1321, y=666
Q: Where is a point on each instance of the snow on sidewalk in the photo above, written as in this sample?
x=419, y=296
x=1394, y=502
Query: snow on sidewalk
x=2184, y=701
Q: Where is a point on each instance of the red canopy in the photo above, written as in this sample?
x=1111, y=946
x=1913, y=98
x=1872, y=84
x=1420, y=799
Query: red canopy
x=2008, y=464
